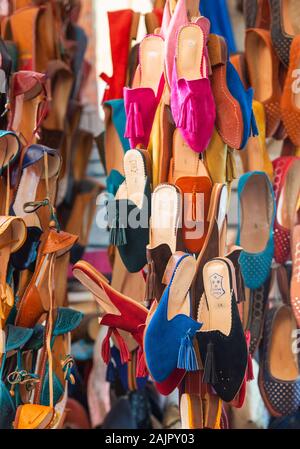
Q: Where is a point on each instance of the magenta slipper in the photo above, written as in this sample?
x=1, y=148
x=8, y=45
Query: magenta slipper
x=142, y=100
x=192, y=101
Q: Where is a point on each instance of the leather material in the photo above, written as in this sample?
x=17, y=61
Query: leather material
x=196, y=194
x=281, y=397
x=27, y=254
x=12, y=145
x=229, y=120
x=258, y=304
x=35, y=153
x=272, y=104
x=118, y=115
x=290, y=112
x=158, y=259
x=33, y=416
x=19, y=232
x=282, y=235
x=280, y=39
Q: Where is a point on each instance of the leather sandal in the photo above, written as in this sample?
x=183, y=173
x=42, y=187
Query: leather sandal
x=36, y=299
x=61, y=80
x=14, y=340
x=117, y=310
x=28, y=104
x=43, y=46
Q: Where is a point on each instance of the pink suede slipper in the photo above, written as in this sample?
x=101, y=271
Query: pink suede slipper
x=143, y=99
x=192, y=101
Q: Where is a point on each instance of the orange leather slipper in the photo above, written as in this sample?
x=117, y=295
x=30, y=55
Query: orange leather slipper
x=290, y=100
x=263, y=71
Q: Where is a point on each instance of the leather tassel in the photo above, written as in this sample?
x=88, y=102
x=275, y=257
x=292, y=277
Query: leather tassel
x=141, y=368
x=117, y=234
x=105, y=349
x=138, y=120
x=254, y=128
x=187, y=358
x=124, y=352
x=210, y=374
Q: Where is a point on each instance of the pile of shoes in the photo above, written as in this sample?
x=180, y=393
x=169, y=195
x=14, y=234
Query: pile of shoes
x=172, y=143
x=47, y=206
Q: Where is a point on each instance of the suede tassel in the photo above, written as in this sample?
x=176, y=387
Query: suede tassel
x=117, y=233
x=187, y=118
x=134, y=122
x=187, y=358
x=105, y=349
x=254, y=129
x=124, y=352
x=141, y=368
x=210, y=374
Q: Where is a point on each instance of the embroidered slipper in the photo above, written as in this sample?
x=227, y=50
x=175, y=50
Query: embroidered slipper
x=171, y=322
x=279, y=380
x=221, y=339
x=290, y=100
x=263, y=71
x=142, y=100
x=256, y=215
x=191, y=90
x=286, y=189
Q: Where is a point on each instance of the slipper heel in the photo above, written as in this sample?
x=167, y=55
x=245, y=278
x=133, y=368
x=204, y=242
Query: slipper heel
x=217, y=52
